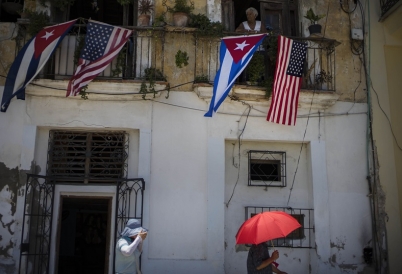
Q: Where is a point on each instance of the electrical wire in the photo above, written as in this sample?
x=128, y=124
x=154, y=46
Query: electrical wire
x=239, y=141
x=308, y=119
x=373, y=189
x=301, y=116
x=349, y=12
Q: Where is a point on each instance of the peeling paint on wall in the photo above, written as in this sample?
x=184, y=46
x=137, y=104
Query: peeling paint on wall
x=348, y=266
x=339, y=244
x=9, y=182
x=12, y=186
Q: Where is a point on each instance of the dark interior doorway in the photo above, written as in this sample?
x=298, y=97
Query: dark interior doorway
x=84, y=235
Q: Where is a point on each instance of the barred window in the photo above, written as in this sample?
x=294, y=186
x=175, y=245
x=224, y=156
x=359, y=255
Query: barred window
x=267, y=168
x=302, y=237
x=88, y=157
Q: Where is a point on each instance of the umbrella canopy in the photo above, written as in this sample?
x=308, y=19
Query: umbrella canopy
x=266, y=226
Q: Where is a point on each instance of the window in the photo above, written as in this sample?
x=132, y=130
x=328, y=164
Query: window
x=296, y=234
x=88, y=157
x=302, y=237
x=267, y=168
x=281, y=16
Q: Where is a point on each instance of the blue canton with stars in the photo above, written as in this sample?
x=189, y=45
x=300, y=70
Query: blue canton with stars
x=297, y=59
x=96, y=41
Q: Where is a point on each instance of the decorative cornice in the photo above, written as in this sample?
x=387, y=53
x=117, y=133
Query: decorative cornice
x=316, y=99
x=112, y=90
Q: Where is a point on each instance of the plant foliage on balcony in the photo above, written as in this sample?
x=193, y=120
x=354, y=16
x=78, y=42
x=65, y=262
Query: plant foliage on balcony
x=37, y=21
x=310, y=15
x=145, y=6
x=181, y=58
x=181, y=6
x=151, y=75
x=205, y=27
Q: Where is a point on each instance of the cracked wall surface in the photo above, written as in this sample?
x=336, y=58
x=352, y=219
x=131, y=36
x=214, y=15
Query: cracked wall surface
x=9, y=186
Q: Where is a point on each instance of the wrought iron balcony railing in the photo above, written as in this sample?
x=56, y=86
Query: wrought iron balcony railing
x=387, y=6
x=152, y=51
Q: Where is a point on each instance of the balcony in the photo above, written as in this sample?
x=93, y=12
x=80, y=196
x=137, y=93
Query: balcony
x=151, y=56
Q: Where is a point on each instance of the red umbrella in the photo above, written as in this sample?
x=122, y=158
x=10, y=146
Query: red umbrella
x=266, y=226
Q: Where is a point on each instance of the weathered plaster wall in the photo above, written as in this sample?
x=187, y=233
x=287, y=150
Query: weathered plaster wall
x=8, y=31
x=191, y=161
x=385, y=42
x=393, y=56
x=349, y=70
x=9, y=185
x=12, y=182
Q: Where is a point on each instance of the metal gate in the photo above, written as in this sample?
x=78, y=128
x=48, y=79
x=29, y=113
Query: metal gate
x=38, y=212
x=36, y=225
x=127, y=205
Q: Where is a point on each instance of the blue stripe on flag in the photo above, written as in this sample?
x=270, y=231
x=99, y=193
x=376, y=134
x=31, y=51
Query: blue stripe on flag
x=231, y=73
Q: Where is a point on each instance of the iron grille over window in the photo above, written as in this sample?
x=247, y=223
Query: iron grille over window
x=267, y=168
x=89, y=157
x=387, y=6
x=302, y=237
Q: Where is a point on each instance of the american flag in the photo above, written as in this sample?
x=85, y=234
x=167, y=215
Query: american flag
x=287, y=81
x=102, y=43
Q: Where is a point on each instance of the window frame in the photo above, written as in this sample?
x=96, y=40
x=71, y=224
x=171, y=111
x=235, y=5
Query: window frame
x=89, y=157
x=306, y=232
x=271, y=158
x=286, y=8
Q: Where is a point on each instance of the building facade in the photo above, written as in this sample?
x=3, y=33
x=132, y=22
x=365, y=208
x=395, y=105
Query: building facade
x=72, y=170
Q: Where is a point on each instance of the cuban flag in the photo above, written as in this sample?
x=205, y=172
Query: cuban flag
x=235, y=54
x=31, y=59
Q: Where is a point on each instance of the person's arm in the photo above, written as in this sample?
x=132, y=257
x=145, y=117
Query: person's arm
x=240, y=28
x=277, y=271
x=127, y=250
x=267, y=262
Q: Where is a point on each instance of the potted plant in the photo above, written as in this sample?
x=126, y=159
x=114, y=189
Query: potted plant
x=145, y=7
x=205, y=27
x=181, y=12
x=314, y=28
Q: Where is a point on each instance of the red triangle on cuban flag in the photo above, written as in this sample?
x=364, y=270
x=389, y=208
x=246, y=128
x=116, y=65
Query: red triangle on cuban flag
x=48, y=34
x=241, y=45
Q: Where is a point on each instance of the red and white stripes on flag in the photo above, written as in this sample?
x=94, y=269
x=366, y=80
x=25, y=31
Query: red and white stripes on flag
x=287, y=81
x=102, y=43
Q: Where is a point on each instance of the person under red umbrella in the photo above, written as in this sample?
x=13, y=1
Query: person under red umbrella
x=259, y=261
x=258, y=230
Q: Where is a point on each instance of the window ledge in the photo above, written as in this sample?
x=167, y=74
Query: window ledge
x=101, y=90
x=322, y=99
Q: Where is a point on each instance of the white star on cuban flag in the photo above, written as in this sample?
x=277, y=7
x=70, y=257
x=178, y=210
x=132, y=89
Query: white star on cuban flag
x=31, y=59
x=242, y=45
x=235, y=54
